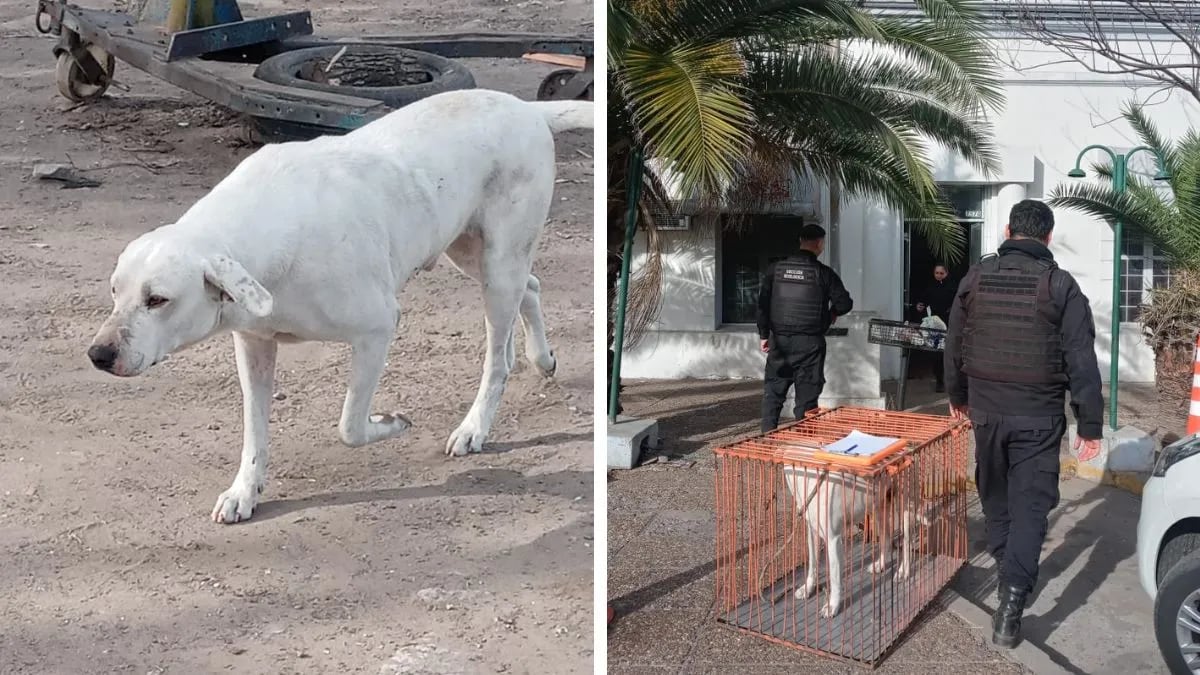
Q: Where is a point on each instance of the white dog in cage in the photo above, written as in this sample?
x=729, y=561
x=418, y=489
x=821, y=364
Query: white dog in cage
x=832, y=503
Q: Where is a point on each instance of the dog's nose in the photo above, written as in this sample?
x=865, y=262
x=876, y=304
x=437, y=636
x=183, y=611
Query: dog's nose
x=103, y=356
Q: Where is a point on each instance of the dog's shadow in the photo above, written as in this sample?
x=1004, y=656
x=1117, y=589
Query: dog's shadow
x=568, y=485
x=549, y=439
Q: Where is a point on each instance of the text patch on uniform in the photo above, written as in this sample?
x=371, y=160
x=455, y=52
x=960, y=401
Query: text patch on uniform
x=799, y=275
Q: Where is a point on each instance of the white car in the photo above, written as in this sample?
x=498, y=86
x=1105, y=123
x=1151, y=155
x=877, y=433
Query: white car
x=1168, y=552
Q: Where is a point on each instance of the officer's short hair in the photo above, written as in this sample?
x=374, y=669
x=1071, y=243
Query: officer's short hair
x=1030, y=218
x=811, y=232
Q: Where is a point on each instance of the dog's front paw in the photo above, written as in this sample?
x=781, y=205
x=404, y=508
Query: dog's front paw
x=878, y=565
x=467, y=438
x=903, y=572
x=804, y=592
x=830, y=609
x=237, y=503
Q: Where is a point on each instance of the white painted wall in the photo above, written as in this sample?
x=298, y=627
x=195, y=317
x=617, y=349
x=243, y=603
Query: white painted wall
x=1053, y=110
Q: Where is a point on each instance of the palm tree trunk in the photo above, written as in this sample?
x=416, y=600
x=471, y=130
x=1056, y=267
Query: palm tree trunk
x=1173, y=366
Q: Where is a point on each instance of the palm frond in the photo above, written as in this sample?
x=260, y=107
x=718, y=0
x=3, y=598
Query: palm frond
x=1148, y=132
x=688, y=108
x=962, y=60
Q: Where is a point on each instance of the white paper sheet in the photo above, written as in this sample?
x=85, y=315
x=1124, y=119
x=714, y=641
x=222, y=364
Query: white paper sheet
x=856, y=443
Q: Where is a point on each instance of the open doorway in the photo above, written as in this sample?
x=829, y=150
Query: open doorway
x=919, y=259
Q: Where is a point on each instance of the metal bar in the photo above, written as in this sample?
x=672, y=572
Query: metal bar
x=633, y=191
x=236, y=35
x=252, y=97
x=464, y=45
x=1120, y=167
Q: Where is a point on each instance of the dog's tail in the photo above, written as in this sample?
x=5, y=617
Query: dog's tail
x=567, y=115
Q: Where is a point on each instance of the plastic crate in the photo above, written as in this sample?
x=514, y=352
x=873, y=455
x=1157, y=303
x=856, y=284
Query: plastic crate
x=905, y=335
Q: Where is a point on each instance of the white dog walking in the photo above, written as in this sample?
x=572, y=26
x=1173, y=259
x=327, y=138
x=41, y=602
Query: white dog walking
x=313, y=241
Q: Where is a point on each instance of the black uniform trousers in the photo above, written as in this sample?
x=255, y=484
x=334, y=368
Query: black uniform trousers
x=792, y=360
x=1016, y=472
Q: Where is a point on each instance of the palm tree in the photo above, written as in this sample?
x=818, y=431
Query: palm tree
x=720, y=94
x=1172, y=222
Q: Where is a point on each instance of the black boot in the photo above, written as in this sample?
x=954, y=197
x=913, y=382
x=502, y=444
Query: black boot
x=1006, y=622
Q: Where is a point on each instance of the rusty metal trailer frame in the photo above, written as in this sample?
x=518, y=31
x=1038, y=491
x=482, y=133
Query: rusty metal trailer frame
x=184, y=58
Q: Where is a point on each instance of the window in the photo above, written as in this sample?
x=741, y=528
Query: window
x=745, y=253
x=1143, y=268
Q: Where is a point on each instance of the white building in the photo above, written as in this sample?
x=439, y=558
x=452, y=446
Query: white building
x=1053, y=110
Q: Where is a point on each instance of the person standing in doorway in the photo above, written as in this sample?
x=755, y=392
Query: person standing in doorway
x=1020, y=334
x=938, y=297
x=798, y=301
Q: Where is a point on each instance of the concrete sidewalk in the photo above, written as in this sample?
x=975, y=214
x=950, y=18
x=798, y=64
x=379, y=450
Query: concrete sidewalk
x=1090, y=614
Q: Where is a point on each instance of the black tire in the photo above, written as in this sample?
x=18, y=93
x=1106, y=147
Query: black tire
x=283, y=69
x=1181, y=580
x=1174, y=551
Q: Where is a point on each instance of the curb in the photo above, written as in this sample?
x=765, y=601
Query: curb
x=1129, y=481
x=1025, y=653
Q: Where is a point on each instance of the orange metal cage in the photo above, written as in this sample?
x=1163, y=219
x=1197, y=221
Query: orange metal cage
x=781, y=501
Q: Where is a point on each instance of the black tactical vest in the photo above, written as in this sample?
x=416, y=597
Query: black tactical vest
x=1011, y=333
x=798, y=298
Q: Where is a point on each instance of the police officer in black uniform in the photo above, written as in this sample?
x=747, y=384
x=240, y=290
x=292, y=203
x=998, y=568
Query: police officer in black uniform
x=1021, y=334
x=799, y=299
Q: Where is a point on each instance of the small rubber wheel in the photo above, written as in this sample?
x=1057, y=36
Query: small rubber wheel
x=71, y=80
x=556, y=81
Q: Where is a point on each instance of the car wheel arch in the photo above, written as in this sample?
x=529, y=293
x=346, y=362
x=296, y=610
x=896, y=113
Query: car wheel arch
x=1187, y=526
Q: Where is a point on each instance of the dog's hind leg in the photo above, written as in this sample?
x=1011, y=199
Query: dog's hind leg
x=358, y=426
x=537, y=346
x=504, y=272
x=256, y=373
x=465, y=254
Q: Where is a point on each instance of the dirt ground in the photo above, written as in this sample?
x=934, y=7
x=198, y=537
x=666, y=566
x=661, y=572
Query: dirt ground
x=389, y=558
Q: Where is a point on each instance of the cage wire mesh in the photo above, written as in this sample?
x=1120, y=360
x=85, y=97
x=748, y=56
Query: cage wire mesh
x=811, y=552
x=906, y=335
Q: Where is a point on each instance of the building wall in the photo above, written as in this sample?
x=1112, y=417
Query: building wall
x=1053, y=110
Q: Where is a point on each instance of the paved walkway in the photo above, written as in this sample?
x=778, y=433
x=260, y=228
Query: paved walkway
x=1089, y=616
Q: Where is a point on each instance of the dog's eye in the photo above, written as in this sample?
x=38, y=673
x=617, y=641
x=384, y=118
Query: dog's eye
x=155, y=301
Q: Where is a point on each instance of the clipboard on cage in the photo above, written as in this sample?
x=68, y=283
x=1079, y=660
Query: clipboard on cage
x=925, y=337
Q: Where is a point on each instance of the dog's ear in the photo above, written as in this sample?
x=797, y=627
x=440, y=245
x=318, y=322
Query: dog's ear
x=235, y=282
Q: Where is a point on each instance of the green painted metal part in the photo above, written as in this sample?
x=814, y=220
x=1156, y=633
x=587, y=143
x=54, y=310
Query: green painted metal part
x=633, y=194
x=1120, y=180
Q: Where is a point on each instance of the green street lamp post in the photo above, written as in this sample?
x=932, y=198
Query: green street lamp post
x=633, y=193
x=1120, y=174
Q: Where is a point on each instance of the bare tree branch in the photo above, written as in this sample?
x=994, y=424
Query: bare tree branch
x=1118, y=37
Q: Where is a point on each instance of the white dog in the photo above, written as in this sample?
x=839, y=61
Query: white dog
x=830, y=502
x=313, y=241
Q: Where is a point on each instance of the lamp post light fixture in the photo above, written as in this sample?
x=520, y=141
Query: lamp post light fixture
x=1120, y=175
